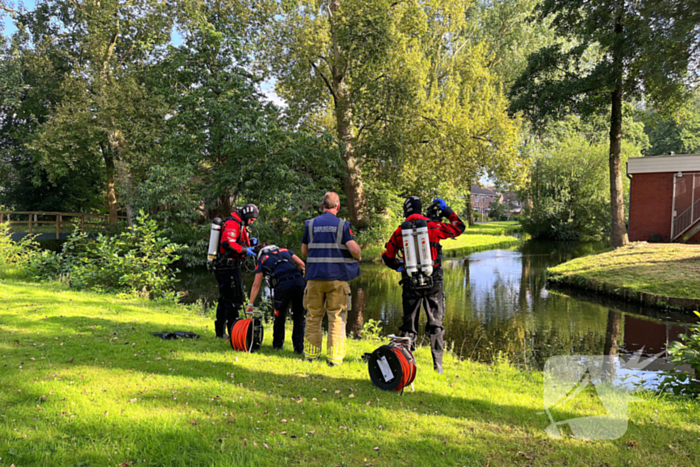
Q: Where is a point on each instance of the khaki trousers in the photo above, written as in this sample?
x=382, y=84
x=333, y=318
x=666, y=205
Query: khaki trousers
x=322, y=297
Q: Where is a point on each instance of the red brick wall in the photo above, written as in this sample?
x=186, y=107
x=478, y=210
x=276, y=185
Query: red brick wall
x=695, y=238
x=651, y=199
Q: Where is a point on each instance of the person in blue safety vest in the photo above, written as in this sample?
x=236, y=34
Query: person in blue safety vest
x=333, y=258
x=233, y=247
x=284, y=272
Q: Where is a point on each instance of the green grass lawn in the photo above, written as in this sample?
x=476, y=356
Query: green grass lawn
x=466, y=244
x=83, y=383
x=667, y=270
x=494, y=228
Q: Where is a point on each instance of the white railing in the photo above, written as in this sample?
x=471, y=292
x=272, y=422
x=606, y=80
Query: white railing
x=685, y=220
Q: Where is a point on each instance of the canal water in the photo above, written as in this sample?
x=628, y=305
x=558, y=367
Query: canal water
x=499, y=306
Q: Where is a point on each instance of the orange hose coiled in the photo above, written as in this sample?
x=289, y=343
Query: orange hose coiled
x=239, y=333
x=408, y=370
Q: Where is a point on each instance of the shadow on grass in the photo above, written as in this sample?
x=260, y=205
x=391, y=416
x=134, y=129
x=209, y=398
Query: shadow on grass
x=177, y=417
x=198, y=428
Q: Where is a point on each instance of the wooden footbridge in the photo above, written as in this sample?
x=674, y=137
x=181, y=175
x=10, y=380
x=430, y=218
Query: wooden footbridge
x=53, y=225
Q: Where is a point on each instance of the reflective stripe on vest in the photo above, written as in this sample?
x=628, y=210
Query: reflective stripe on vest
x=338, y=244
x=331, y=260
x=313, y=246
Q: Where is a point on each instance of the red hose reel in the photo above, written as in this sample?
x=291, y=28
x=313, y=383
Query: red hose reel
x=392, y=367
x=247, y=334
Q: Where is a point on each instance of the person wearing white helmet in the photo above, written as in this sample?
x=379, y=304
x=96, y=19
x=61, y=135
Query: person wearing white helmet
x=284, y=272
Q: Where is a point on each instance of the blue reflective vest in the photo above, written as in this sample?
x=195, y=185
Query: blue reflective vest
x=329, y=258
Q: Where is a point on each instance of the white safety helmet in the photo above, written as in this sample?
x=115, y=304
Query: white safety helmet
x=267, y=248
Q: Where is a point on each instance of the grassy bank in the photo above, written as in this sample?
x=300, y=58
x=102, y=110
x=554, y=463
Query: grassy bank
x=653, y=274
x=495, y=228
x=466, y=244
x=83, y=382
x=478, y=237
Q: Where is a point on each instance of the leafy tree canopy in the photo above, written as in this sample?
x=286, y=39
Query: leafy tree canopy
x=678, y=133
x=569, y=192
x=654, y=39
x=610, y=51
x=403, y=85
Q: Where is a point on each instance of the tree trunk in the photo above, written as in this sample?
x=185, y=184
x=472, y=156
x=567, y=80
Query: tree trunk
x=356, y=315
x=617, y=199
x=225, y=202
x=468, y=209
x=111, y=192
x=115, y=136
x=125, y=181
x=354, y=190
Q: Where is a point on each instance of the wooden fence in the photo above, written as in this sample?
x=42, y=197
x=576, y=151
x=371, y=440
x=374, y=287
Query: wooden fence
x=36, y=222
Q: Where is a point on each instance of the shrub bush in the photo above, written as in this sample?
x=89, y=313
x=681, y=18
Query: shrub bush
x=569, y=186
x=372, y=330
x=137, y=260
x=685, y=352
x=25, y=255
x=10, y=252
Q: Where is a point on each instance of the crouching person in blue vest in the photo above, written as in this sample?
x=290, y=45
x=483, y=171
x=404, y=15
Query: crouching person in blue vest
x=284, y=272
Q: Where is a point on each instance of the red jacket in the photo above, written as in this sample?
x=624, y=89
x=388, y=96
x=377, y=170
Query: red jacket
x=234, y=238
x=436, y=231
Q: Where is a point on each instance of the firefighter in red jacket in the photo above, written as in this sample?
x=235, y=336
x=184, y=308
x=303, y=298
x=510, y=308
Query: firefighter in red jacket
x=429, y=289
x=233, y=247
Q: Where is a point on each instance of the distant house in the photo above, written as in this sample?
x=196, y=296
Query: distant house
x=482, y=199
x=513, y=205
x=665, y=198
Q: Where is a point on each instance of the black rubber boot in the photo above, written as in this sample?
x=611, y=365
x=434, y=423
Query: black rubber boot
x=437, y=347
x=437, y=362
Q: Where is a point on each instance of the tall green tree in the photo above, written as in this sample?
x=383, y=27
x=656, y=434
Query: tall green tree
x=224, y=144
x=324, y=54
x=614, y=50
x=569, y=187
x=505, y=28
x=106, y=115
x=29, y=90
x=221, y=123
x=402, y=85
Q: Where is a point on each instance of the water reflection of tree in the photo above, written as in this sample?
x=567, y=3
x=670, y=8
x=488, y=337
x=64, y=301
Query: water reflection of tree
x=495, y=307
x=508, y=316
x=376, y=295
x=529, y=328
x=612, y=335
x=533, y=278
x=356, y=315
